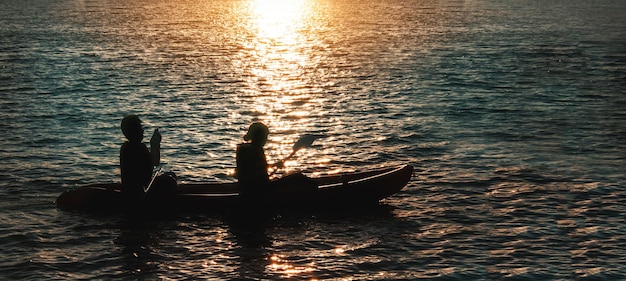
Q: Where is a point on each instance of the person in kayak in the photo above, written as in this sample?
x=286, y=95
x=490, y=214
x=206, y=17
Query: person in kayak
x=136, y=161
x=252, y=167
x=251, y=162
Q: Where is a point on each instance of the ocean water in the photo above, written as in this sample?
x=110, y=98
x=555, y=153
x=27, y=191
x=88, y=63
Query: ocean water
x=513, y=113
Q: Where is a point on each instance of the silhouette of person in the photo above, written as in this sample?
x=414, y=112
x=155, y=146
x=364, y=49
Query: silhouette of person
x=254, y=182
x=136, y=161
x=251, y=162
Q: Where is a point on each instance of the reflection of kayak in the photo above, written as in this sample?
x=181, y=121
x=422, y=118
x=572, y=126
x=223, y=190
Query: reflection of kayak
x=337, y=191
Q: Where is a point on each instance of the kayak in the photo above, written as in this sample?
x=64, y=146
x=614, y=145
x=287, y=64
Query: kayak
x=346, y=190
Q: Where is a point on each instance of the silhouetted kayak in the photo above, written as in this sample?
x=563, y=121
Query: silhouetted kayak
x=345, y=190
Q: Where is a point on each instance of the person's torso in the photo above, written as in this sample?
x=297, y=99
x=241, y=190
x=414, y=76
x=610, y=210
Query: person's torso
x=135, y=165
x=251, y=165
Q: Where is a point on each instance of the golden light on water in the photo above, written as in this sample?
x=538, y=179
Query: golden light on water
x=276, y=49
x=278, y=19
x=276, y=63
x=279, y=265
x=277, y=53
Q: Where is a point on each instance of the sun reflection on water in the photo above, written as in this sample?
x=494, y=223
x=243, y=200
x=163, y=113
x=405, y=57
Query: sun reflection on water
x=278, y=265
x=278, y=63
x=278, y=18
x=275, y=52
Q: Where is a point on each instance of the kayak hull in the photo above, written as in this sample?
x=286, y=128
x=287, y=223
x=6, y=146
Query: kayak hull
x=346, y=190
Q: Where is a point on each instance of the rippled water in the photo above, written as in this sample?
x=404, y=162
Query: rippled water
x=512, y=112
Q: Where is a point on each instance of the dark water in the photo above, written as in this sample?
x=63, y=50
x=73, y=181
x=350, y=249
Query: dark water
x=512, y=112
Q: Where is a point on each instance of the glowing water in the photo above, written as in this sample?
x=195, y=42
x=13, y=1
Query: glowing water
x=513, y=113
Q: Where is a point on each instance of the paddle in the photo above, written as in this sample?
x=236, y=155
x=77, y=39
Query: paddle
x=304, y=141
x=155, y=151
x=157, y=172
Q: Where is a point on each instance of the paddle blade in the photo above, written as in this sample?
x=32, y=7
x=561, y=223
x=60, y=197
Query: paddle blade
x=305, y=141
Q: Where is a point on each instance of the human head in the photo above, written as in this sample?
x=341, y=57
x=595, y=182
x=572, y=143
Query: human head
x=257, y=133
x=131, y=128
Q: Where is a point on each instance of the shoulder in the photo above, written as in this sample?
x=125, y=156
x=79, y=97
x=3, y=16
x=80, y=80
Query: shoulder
x=248, y=150
x=244, y=147
x=134, y=146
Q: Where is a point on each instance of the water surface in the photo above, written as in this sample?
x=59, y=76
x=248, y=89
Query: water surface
x=512, y=112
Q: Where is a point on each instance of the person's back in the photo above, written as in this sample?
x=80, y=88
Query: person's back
x=251, y=163
x=251, y=168
x=136, y=161
x=135, y=167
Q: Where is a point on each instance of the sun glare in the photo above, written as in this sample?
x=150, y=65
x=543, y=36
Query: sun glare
x=278, y=18
x=276, y=56
x=277, y=62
